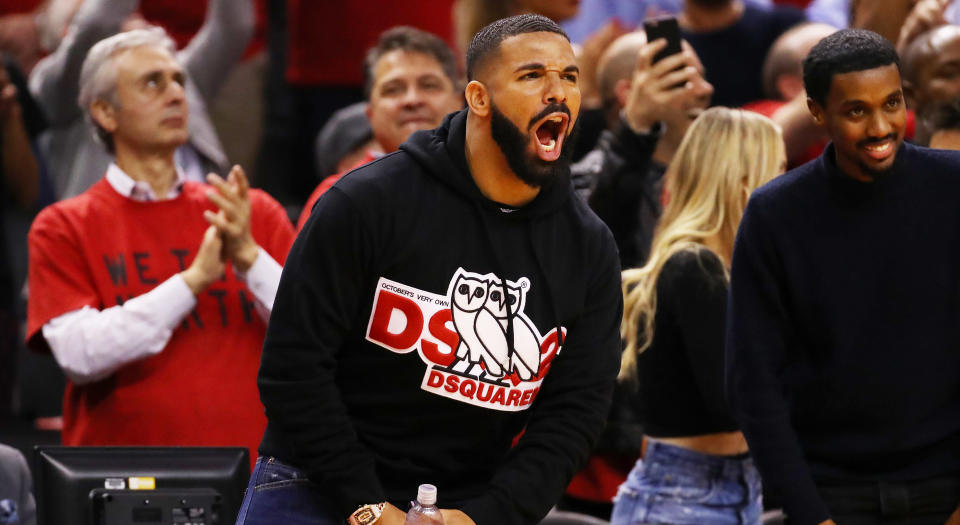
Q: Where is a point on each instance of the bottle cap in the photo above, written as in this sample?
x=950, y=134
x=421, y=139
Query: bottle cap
x=427, y=494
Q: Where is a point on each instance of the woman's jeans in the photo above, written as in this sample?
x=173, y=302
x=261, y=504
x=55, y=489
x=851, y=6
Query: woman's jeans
x=279, y=493
x=681, y=487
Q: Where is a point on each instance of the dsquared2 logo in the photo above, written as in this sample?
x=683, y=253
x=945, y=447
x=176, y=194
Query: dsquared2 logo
x=462, y=338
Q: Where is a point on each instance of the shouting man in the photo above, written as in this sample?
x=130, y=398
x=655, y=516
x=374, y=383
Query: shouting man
x=440, y=302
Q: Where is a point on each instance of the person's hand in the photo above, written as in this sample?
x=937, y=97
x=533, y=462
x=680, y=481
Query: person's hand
x=954, y=518
x=455, y=517
x=589, y=59
x=233, y=219
x=207, y=266
x=924, y=16
x=390, y=516
x=670, y=85
x=9, y=106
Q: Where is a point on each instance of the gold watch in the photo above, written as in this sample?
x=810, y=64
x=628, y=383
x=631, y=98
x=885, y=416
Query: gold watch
x=367, y=514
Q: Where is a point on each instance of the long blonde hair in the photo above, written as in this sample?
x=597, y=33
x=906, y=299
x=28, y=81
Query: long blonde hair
x=724, y=156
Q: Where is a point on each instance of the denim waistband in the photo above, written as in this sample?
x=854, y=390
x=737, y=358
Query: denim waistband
x=726, y=466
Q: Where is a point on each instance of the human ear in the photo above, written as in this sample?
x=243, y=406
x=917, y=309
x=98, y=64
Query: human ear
x=104, y=115
x=478, y=98
x=816, y=110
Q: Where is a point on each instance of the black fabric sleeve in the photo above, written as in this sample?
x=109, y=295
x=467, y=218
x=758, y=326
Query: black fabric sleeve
x=316, y=305
x=758, y=334
x=698, y=296
x=567, y=416
x=621, y=180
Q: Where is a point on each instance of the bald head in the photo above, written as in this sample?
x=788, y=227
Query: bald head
x=931, y=74
x=921, y=53
x=617, y=63
x=783, y=68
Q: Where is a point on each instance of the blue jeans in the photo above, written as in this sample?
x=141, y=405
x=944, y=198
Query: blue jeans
x=681, y=487
x=279, y=493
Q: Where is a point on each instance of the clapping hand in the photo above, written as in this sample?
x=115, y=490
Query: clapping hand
x=233, y=219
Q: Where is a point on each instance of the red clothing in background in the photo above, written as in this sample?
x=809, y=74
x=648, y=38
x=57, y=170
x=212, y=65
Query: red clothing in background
x=325, y=185
x=183, y=19
x=8, y=7
x=328, y=40
x=100, y=249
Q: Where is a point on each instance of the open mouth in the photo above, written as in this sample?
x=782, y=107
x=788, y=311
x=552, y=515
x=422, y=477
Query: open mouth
x=880, y=151
x=549, y=136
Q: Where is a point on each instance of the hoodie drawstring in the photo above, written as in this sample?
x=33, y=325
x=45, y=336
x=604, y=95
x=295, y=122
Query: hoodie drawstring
x=498, y=266
x=550, y=295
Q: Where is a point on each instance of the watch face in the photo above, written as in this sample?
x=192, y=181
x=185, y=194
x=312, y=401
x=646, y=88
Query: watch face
x=365, y=516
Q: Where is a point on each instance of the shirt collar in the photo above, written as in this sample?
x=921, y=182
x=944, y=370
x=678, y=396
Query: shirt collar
x=139, y=190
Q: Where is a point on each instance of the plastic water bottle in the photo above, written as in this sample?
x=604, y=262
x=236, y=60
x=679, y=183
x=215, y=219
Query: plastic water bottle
x=425, y=511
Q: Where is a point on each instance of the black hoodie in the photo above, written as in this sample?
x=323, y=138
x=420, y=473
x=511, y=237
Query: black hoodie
x=369, y=386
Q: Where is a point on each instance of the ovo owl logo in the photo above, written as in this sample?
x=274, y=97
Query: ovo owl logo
x=464, y=338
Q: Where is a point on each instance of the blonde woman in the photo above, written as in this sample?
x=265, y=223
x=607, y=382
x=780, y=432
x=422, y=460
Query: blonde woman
x=696, y=469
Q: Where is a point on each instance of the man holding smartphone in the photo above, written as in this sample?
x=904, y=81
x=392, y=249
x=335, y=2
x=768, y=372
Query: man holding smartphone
x=649, y=105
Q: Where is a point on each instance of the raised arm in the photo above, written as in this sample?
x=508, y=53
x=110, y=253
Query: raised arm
x=219, y=44
x=55, y=81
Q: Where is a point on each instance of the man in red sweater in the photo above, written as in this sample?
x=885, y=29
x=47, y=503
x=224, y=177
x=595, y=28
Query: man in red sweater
x=152, y=292
x=411, y=85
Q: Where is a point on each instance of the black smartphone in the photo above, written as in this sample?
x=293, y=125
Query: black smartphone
x=665, y=28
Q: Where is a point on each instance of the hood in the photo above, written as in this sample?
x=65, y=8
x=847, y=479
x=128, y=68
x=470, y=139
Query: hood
x=442, y=154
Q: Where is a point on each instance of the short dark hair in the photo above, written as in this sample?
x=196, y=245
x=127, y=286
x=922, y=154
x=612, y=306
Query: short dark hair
x=845, y=51
x=410, y=40
x=488, y=39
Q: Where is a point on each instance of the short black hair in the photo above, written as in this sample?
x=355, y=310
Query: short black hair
x=488, y=39
x=410, y=40
x=845, y=51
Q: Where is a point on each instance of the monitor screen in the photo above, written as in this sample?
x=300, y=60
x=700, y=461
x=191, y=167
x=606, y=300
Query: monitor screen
x=108, y=485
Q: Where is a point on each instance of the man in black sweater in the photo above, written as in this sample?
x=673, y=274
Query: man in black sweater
x=439, y=302
x=843, y=338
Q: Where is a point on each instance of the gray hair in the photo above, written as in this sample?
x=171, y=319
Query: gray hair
x=98, y=76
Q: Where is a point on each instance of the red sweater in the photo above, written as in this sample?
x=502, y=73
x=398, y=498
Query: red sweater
x=99, y=249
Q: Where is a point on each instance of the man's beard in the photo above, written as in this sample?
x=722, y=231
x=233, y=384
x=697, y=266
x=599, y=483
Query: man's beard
x=531, y=169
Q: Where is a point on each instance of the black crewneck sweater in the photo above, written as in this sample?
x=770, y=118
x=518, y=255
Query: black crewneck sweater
x=843, y=342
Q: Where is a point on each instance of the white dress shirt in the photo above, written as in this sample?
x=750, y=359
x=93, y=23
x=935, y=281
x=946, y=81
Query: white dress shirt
x=91, y=344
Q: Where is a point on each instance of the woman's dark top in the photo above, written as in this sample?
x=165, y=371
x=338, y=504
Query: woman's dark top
x=681, y=374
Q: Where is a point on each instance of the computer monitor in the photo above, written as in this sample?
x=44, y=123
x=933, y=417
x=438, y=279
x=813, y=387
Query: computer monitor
x=139, y=485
